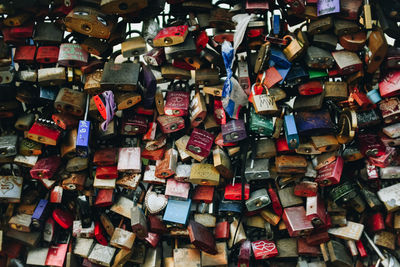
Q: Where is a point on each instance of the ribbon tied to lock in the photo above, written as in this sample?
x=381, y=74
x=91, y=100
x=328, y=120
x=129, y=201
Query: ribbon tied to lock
x=106, y=106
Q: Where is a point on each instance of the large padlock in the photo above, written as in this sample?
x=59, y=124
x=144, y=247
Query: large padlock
x=48, y=32
x=89, y=21
x=120, y=76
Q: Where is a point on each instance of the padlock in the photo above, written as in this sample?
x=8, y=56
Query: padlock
x=133, y=124
x=171, y=72
x=376, y=50
x=182, y=52
x=310, y=103
x=347, y=62
x=134, y=46
x=115, y=75
x=318, y=58
x=258, y=200
x=129, y=160
x=306, y=189
x=70, y=101
x=106, y=172
x=263, y=103
x=75, y=181
x=288, y=198
x=102, y=255
x=177, y=103
x=257, y=169
x=48, y=32
x=45, y=168
x=89, y=21
x=311, y=88
x=25, y=54
x=204, y=174
x=325, y=41
x=353, y=42
x=234, y=191
x=177, y=190
x=171, y=36
x=197, y=109
x=203, y=193
x=92, y=82
x=72, y=55
x=233, y=131
x=389, y=85
x=370, y=145
x=296, y=221
x=51, y=76
x=389, y=109
x=167, y=166
x=122, y=6
x=200, y=142
x=290, y=164
x=295, y=48
x=385, y=239
x=331, y=173
x=76, y=164
x=177, y=211
x=335, y=90
x=315, y=211
x=95, y=46
x=44, y=133
x=291, y=134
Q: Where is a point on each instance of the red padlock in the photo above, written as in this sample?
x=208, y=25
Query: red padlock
x=234, y=191
x=221, y=230
x=106, y=172
x=276, y=204
x=47, y=54
x=99, y=234
x=311, y=88
x=63, y=218
x=315, y=211
x=203, y=193
x=331, y=173
x=371, y=145
x=376, y=222
x=306, y=189
x=200, y=142
x=177, y=103
x=104, y=198
x=296, y=221
x=264, y=249
x=22, y=32
x=25, y=54
x=45, y=168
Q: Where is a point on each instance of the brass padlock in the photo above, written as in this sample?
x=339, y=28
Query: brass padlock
x=122, y=6
x=295, y=48
x=89, y=21
x=133, y=46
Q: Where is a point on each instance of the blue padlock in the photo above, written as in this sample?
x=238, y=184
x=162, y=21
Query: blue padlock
x=374, y=96
x=82, y=140
x=177, y=211
x=291, y=134
x=279, y=58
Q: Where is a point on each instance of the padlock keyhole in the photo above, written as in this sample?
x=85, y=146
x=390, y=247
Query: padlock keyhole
x=123, y=6
x=86, y=27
